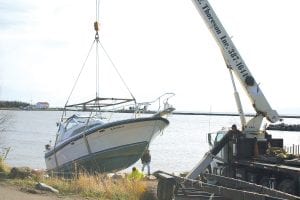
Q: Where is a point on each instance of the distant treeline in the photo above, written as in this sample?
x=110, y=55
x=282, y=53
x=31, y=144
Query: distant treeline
x=13, y=104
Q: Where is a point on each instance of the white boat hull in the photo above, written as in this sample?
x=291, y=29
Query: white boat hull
x=111, y=147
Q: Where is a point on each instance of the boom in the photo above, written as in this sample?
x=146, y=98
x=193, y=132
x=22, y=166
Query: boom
x=235, y=63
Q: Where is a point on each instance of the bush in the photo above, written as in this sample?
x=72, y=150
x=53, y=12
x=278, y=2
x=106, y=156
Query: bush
x=20, y=172
x=4, y=168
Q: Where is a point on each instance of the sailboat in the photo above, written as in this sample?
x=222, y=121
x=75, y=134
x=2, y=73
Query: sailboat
x=92, y=143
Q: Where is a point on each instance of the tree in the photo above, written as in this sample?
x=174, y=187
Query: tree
x=13, y=104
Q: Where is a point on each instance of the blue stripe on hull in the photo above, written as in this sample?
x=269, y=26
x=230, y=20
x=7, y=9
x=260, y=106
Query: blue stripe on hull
x=105, y=161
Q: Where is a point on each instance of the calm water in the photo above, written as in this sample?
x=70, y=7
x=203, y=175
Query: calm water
x=177, y=149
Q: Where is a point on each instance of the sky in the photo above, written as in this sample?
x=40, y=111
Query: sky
x=157, y=46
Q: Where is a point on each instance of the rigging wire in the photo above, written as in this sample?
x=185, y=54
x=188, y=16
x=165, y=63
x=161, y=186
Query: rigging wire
x=117, y=71
x=97, y=69
x=96, y=27
x=76, y=81
x=96, y=41
x=97, y=9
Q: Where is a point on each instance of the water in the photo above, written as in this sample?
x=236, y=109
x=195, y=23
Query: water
x=179, y=148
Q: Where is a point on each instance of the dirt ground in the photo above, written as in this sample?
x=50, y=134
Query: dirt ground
x=9, y=192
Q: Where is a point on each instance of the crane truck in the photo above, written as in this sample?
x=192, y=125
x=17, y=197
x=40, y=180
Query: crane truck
x=249, y=155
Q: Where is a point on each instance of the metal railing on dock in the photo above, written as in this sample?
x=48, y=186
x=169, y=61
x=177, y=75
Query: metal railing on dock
x=227, y=188
x=294, y=149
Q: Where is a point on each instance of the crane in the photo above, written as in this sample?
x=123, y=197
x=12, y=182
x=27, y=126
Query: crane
x=234, y=154
x=236, y=64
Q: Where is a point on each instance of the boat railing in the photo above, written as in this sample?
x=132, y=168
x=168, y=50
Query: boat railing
x=161, y=103
x=98, y=104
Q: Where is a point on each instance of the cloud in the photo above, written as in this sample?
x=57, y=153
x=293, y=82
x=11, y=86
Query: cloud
x=14, y=14
x=158, y=46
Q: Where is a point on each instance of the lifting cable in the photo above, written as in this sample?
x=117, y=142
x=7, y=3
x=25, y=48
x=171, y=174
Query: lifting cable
x=97, y=41
x=117, y=72
x=96, y=27
x=82, y=67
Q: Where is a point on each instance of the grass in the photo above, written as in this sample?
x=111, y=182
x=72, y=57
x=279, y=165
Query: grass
x=88, y=186
x=100, y=187
x=4, y=168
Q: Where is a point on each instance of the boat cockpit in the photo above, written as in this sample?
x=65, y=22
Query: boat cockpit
x=76, y=124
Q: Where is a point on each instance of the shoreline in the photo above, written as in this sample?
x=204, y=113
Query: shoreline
x=173, y=113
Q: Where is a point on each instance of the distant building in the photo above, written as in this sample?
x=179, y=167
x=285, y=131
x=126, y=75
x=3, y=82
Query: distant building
x=42, y=105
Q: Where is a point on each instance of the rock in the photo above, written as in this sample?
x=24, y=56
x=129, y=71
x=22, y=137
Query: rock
x=117, y=175
x=109, y=175
x=45, y=187
x=151, y=191
x=20, y=172
x=38, y=172
x=150, y=177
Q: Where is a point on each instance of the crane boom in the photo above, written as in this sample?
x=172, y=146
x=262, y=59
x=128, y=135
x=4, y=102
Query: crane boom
x=235, y=63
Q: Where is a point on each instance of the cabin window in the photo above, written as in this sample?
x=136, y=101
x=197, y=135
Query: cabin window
x=66, y=131
x=220, y=135
x=73, y=122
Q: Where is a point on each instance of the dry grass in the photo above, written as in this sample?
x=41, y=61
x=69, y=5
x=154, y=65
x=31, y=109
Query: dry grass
x=100, y=187
x=91, y=186
x=4, y=168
